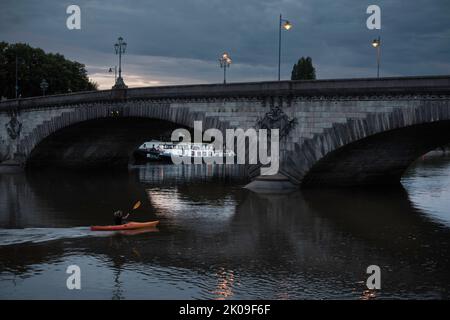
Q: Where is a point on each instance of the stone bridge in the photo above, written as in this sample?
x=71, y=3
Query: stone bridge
x=335, y=132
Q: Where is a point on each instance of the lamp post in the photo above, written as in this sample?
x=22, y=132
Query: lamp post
x=376, y=43
x=286, y=25
x=115, y=72
x=44, y=86
x=17, y=81
x=225, y=62
x=120, y=47
x=18, y=61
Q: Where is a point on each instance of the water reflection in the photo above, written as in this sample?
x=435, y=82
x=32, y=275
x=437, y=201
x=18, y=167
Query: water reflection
x=225, y=283
x=428, y=185
x=217, y=240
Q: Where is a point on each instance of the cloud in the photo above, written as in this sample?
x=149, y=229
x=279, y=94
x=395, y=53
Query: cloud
x=179, y=41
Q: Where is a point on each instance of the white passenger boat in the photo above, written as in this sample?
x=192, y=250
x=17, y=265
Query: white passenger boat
x=164, y=151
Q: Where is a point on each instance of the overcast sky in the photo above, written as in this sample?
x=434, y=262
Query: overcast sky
x=179, y=41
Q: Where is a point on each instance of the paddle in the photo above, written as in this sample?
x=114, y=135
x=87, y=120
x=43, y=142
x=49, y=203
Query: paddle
x=136, y=205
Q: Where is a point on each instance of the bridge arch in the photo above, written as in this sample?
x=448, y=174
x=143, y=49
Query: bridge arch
x=376, y=149
x=120, y=116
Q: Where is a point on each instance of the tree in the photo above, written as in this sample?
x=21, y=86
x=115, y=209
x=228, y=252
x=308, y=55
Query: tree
x=303, y=70
x=34, y=65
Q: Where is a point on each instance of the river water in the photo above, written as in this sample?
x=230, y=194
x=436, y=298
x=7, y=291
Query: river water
x=217, y=240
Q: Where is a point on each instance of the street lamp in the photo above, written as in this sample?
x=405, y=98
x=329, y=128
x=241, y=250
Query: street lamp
x=44, y=86
x=115, y=72
x=17, y=78
x=119, y=48
x=225, y=62
x=286, y=25
x=376, y=43
x=18, y=61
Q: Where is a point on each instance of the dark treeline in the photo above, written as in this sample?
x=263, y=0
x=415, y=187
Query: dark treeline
x=34, y=65
x=303, y=70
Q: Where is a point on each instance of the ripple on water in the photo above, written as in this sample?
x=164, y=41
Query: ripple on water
x=39, y=235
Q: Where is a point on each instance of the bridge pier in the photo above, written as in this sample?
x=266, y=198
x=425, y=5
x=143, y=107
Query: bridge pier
x=10, y=160
x=11, y=166
x=277, y=183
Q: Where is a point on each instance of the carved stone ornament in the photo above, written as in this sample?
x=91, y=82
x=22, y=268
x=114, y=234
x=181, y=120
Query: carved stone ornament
x=277, y=119
x=13, y=127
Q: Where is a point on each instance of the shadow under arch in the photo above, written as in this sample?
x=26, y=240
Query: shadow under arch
x=98, y=143
x=379, y=159
x=160, y=116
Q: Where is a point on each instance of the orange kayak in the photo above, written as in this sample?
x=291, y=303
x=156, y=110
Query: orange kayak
x=126, y=226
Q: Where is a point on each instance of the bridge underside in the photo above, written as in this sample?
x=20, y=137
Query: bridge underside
x=108, y=143
x=103, y=143
x=380, y=159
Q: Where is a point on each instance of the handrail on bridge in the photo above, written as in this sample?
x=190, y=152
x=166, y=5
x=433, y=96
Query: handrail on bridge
x=329, y=87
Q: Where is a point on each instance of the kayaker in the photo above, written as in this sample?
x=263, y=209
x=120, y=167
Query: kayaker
x=119, y=218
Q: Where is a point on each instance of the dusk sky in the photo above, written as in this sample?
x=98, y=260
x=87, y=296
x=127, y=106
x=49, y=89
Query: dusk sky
x=179, y=41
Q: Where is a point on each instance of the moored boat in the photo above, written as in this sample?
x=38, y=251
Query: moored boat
x=193, y=152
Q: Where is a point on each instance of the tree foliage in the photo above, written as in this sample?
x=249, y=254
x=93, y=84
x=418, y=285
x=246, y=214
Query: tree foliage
x=303, y=70
x=33, y=66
